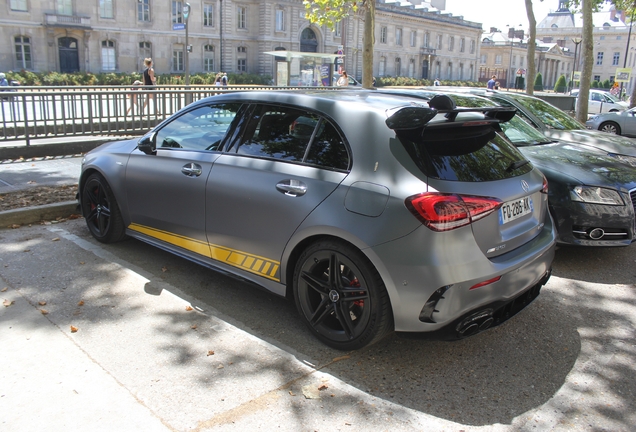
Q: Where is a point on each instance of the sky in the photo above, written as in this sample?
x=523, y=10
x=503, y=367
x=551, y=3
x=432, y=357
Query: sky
x=500, y=13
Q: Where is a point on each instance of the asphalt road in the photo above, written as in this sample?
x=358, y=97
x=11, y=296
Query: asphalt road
x=164, y=344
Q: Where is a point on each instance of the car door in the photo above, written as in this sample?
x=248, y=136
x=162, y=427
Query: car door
x=595, y=103
x=166, y=196
x=282, y=165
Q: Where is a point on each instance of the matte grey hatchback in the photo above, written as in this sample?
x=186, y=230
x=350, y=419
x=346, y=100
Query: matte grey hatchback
x=374, y=212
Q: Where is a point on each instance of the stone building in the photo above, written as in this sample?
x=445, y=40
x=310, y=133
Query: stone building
x=506, y=56
x=412, y=38
x=613, y=39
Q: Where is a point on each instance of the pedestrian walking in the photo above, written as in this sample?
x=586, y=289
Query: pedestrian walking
x=150, y=81
x=133, y=95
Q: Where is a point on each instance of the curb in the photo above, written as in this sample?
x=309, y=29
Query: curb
x=29, y=215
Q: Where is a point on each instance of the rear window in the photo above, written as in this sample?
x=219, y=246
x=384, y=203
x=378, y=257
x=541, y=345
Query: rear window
x=467, y=154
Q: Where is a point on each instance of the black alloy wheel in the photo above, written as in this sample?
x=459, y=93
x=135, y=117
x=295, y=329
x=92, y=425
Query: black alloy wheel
x=341, y=296
x=101, y=211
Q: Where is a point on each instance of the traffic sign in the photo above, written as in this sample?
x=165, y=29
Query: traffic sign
x=178, y=26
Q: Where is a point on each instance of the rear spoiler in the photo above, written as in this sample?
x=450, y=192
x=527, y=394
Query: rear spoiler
x=417, y=117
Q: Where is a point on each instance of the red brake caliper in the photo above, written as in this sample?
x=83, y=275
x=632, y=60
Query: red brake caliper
x=356, y=283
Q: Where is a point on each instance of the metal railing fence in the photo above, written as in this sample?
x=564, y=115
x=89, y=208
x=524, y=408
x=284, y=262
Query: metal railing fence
x=29, y=113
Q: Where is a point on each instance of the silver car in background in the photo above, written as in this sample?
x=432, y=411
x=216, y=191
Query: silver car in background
x=373, y=212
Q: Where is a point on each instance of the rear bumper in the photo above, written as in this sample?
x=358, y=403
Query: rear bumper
x=415, y=281
x=483, y=318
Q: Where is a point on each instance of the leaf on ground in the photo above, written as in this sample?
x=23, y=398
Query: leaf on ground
x=210, y=352
x=74, y=329
x=82, y=263
x=80, y=303
x=323, y=387
x=291, y=393
x=7, y=303
x=44, y=311
x=56, y=239
x=75, y=216
x=193, y=326
x=164, y=269
x=42, y=303
x=311, y=392
x=344, y=357
x=189, y=308
x=220, y=366
x=4, y=289
x=14, y=226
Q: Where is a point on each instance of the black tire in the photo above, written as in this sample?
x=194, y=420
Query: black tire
x=610, y=127
x=346, y=312
x=101, y=210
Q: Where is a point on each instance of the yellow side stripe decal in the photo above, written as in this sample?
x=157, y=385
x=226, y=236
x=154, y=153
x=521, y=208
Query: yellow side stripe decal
x=252, y=263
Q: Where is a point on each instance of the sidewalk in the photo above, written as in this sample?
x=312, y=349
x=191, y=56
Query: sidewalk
x=52, y=162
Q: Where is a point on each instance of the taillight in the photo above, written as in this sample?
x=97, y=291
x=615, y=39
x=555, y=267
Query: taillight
x=444, y=212
x=544, y=189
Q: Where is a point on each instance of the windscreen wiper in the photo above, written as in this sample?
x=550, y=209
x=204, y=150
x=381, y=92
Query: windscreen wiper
x=517, y=164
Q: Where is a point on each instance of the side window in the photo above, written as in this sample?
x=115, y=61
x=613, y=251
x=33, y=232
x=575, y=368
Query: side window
x=293, y=135
x=277, y=133
x=200, y=129
x=328, y=149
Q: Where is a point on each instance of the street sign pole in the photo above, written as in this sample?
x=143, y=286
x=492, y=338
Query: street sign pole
x=186, y=56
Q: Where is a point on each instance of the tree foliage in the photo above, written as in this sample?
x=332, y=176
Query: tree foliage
x=329, y=12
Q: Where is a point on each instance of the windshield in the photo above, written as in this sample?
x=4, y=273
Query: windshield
x=522, y=134
x=551, y=116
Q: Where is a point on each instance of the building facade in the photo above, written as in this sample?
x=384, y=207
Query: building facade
x=414, y=39
x=614, y=45
x=506, y=57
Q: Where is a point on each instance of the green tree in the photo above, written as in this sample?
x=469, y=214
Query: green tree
x=329, y=12
x=538, y=82
x=559, y=87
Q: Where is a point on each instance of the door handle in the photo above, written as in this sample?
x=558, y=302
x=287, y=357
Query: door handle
x=292, y=187
x=191, y=170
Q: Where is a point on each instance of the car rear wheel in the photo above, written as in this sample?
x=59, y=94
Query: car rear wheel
x=610, y=127
x=101, y=210
x=341, y=296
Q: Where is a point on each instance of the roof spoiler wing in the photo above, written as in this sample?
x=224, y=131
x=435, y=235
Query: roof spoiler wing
x=417, y=117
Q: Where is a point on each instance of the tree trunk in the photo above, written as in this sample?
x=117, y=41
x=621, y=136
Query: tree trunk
x=367, y=44
x=587, y=53
x=531, y=73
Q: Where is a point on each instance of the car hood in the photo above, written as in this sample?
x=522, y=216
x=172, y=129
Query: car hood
x=600, y=140
x=576, y=164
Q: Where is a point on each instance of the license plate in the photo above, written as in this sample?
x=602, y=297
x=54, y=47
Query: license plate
x=512, y=210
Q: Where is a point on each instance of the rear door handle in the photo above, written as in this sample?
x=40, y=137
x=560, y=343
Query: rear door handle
x=292, y=187
x=191, y=170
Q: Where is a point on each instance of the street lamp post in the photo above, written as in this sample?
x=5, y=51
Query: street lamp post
x=186, y=54
x=511, y=36
x=629, y=38
x=221, y=35
x=576, y=41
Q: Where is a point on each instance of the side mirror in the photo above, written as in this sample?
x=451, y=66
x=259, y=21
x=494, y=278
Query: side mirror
x=147, y=144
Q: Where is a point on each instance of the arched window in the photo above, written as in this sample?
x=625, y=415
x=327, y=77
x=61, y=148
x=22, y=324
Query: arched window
x=241, y=61
x=308, y=41
x=382, y=66
x=23, y=52
x=108, y=55
x=208, y=58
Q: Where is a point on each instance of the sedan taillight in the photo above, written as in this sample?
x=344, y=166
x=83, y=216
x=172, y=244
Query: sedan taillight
x=444, y=212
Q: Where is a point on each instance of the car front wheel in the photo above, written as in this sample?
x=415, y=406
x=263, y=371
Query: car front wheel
x=101, y=210
x=341, y=296
x=610, y=127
